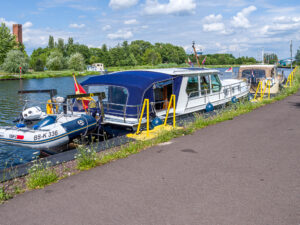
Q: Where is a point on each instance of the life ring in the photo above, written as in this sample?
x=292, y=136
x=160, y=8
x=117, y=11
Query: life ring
x=50, y=107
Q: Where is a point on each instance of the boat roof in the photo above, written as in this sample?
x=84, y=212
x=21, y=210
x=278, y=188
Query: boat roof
x=257, y=66
x=185, y=71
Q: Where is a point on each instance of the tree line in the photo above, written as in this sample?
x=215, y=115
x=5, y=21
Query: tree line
x=59, y=55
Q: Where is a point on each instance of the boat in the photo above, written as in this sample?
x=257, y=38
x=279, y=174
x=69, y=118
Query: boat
x=97, y=67
x=253, y=74
x=194, y=89
x=51, y=134
x=50, y=131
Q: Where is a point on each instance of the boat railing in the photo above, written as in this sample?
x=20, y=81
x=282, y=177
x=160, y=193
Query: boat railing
x=228, y=91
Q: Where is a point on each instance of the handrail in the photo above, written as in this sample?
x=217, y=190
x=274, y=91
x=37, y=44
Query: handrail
x=146, y=101
x=291, y=77
x=262, y=91
x=173, y=97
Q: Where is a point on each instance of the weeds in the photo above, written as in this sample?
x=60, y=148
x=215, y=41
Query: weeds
x=41, y=175
x=3, y=195
x=87, y=157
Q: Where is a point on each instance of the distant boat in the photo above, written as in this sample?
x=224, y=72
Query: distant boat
x=229, y=70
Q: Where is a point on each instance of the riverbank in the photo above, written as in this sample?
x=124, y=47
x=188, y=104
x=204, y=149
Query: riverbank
x=9, y=188
x=234, y=171
x=66, y=73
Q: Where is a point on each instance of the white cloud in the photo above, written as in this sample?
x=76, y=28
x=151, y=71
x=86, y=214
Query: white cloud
x=218, y=27
x=77, y=26
x=27, y=25
x=130, y=22
x=213, y=23
x=153, y=7
x=120, y=35
x=212, y=18
x=144, y=26
x=7, y=23
x=241, y=20
x=106, y=27
x=122, y=4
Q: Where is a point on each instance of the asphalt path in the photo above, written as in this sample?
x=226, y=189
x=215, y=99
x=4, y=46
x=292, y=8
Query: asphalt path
x=240, y=172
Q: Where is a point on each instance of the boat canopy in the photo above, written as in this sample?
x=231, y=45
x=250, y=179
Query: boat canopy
x=136, y=82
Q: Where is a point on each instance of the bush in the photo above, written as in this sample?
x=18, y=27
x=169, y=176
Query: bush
x=76, y=62
x=55, y=61
x=14, y=60
x=40, y=175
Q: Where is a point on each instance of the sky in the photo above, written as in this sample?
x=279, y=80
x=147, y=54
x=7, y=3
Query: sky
x=238, y=27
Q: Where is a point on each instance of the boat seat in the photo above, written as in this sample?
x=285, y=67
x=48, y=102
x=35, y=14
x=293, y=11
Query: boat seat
x=45, y=122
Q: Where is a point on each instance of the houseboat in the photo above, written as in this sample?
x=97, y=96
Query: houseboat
x=253, y=74
x=194, y=89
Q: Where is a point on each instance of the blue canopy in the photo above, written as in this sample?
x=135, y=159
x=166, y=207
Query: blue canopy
x=136, y=82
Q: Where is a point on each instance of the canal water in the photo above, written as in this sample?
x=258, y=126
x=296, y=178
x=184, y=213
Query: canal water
x=11, y=104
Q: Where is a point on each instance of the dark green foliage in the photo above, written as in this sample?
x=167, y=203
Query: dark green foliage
x=51, y=42
x=297, y=57
x=270, y=58
x=39, y=65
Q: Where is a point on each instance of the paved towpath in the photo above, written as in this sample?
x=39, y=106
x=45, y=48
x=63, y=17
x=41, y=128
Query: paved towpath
x=241, y=172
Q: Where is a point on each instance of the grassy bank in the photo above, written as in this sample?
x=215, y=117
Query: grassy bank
x=87, y=158
x=66, y=73
x=46, y=74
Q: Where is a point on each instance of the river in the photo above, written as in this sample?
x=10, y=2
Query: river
x=11, y=104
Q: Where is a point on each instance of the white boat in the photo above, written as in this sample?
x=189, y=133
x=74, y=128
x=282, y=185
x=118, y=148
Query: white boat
x=253, y=74
x=194, y=88
x=51, y=134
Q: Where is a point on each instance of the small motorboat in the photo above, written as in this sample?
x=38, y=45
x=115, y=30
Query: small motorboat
x=51, y=133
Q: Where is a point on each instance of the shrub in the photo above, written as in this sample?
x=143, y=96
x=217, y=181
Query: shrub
x=76, y=62
x=14, y=60
x=40, y=175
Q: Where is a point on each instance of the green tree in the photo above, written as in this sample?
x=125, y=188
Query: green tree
x=152, y=57
x=51, y=42
x=70, y=41
x=14, y=60
x=55, y=61
x=297, y=57
x=76, y=62
x=7, y=41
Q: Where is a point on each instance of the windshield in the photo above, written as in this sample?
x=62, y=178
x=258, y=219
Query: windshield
x=114, y=96
x=253, y=73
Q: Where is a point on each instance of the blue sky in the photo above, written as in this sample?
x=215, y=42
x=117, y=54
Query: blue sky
x=239, y=27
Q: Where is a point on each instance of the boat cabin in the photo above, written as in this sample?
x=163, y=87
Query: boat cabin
x=194, y=88
x=253, y=74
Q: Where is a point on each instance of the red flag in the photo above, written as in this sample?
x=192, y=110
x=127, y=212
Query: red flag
x=204, y=60
x=80, y=90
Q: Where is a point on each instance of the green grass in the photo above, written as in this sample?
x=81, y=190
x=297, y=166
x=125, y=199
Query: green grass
x=3, y=195
x=87, y=157
x=46, y=74
x=40, y=176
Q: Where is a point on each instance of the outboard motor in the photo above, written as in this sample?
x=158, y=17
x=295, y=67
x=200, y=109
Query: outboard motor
x=33, y=113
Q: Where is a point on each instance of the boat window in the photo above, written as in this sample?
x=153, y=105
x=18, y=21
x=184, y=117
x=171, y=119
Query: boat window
x=253, y=74
x=115, y=97
x=162, y=94
x=192, y=87
x=215, y=83
x=205, y=85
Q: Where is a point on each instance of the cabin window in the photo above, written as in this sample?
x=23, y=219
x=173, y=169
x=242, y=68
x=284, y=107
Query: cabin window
x=162, y=94
x=205, y=85
x=192, y=87
x=215, y=83
x=115, y=97
x=257, y=74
